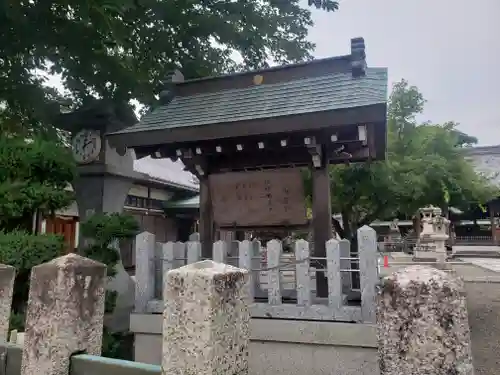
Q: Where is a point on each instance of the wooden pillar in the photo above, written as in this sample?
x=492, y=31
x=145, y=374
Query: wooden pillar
x=239, y=235
x=322, y=222
x=206, y=226
x=491, y=209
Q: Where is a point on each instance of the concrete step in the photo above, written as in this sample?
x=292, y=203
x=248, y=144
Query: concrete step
x=476, y=254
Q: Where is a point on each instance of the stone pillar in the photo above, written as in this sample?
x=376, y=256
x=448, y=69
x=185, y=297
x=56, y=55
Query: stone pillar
x=64, y=315
x=422, y=324
x=194, y=237
x=7, y=276
x=206, y=318
x=144, y=270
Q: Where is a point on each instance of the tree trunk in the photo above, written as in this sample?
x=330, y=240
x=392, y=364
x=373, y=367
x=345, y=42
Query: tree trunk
x=338, y=228
x=346, y=223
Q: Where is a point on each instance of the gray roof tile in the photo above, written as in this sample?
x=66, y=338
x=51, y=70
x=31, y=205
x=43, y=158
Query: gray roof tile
x=316, y=94
x=167, y=171
x=486, y=161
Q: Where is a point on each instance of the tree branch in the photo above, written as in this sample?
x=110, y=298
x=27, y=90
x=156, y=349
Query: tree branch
x=368, y=219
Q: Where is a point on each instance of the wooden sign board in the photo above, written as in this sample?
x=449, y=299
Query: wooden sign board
x=258, y=198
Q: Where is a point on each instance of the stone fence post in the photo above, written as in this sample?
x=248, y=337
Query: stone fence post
x=64, y=315
x=145, y=246
x=205, y=321
x=7, y=276
x=422, y=324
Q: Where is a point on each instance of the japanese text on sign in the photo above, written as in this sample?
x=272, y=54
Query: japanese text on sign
x=260, y=198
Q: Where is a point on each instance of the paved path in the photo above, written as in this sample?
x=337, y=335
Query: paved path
x=475, y=248
x=492, y=264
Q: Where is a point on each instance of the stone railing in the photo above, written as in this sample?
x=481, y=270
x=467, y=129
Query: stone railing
x=283, y=284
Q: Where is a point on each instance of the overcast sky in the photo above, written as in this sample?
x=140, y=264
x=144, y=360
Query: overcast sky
x=447, y=48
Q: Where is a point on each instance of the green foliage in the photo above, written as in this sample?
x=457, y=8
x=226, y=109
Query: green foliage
x=117, y=345
x=103, y=229
x=425, y=165
x=33, y=176
x=122, y=49
x=328, y=5
x=23, y=251
x=102, y=232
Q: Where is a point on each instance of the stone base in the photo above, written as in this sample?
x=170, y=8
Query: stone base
x=423, y=258
x=430, y=256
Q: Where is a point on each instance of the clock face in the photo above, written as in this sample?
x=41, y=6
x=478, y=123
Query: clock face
x=86, y=146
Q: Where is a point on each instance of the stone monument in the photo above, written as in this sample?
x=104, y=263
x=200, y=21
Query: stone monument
x=64, y=314
x=422, y=324
x=7, y=277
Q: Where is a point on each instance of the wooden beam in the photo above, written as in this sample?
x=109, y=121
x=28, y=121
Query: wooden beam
x=322, y=222
x=352, y=151
x=491, y=208
x=206, y=221
x=257, y=145
x=269, y=228
x=298, y=156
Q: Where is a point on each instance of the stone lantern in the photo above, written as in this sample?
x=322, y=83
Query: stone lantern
x=431, y=245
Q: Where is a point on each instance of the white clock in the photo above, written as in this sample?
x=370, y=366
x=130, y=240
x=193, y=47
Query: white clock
x=86, y=145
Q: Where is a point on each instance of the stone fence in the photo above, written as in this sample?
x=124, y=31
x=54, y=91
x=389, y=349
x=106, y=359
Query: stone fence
x=205, y=325
x=283, y=284
x=421, y=319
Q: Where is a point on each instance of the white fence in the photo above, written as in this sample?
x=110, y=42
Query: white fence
x=283, y=284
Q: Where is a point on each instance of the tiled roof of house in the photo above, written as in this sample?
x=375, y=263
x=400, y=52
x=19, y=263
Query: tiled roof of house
x=167, y=171
x=193, y=202
x=486, y=160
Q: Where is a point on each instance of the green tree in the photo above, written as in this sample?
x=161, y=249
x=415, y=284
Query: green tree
x=34, y=175
x=122, y=49
x=425, y=165
x=103, y=232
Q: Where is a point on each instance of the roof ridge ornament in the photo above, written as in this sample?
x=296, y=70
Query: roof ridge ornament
x=358, y=57
x=167, y=92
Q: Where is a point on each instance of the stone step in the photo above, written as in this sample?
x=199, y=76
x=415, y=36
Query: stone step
x=476, y=254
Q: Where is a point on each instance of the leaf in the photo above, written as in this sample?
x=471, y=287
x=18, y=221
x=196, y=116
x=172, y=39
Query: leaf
x=122, y=49
x=425, y=165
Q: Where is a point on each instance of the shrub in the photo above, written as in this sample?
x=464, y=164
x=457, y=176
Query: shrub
x=23, y=251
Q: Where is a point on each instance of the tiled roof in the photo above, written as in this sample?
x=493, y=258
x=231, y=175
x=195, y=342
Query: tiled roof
x=486, y=160
x=488, y=165
x=193, y=202
x=166, y=171
x=301, y=96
